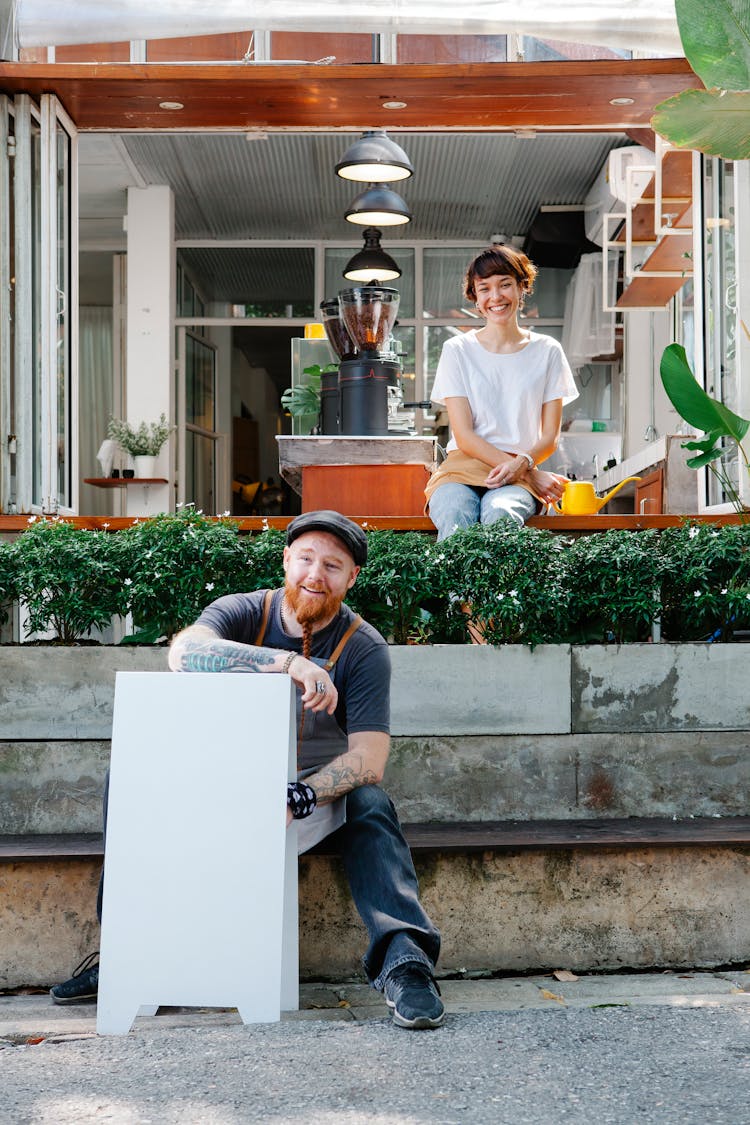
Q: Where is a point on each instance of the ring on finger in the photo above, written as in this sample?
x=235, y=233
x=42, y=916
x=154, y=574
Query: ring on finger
x=320, y=687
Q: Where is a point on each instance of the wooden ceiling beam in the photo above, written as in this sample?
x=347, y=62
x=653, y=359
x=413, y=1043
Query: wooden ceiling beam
x=498, y=96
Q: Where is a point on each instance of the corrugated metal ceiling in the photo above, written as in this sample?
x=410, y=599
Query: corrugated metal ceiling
x=465, y=187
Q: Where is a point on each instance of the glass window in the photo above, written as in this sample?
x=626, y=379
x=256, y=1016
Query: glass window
x=199, y=383
x=547, y=50
x=211, y=48
x=200, y=471
x=720, y=306
x=62, y=316
x=312, y=45
x=444, y=271
x=335, y=263
x=548, y=298
x=93, y=52
x=451, y=48
x=268, y=281
x=434, y=338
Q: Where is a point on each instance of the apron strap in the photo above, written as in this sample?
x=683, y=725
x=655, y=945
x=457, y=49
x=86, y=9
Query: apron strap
x=343, y=643
x=264, y=620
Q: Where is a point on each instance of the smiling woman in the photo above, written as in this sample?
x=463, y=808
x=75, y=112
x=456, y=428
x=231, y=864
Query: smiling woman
x=503, y=387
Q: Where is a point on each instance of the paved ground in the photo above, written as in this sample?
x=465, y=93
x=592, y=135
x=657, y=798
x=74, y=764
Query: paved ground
x=621, y=1049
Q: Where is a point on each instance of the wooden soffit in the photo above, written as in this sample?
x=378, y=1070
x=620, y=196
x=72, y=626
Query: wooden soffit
x=550, y=95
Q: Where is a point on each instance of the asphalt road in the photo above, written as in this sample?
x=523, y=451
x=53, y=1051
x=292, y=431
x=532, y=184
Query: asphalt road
x=605, y=1051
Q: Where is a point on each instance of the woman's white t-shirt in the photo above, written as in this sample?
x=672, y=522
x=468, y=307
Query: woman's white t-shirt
x=505, y=392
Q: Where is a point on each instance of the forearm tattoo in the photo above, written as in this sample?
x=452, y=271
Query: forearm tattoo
x=341, y=776
x=218, y=655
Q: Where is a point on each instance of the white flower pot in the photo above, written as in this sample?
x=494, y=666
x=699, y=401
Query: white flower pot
x=145, y=466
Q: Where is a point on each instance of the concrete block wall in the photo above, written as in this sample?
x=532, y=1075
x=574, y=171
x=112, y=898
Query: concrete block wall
x=479, y=733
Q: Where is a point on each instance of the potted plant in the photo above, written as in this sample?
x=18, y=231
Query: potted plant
x=142, y=442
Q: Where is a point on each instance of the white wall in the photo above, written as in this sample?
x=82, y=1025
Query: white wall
x=646, y=336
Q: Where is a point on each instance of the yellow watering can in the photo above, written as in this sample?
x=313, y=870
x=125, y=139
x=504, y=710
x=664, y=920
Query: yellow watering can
x=580, y=499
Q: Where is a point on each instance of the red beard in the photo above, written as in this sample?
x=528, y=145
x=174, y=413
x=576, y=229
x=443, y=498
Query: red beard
x=308, y=609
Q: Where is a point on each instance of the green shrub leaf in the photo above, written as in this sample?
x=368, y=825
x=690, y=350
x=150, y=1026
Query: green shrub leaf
x=693, y=404
x=714, y=121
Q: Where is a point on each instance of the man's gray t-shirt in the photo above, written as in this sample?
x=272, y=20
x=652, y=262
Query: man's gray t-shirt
x=362, y=674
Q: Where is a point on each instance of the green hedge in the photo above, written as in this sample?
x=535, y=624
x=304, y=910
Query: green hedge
x=518, y=585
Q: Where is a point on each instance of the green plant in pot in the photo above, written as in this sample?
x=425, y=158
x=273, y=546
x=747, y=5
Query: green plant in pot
x=303, y=402
x=143, y=442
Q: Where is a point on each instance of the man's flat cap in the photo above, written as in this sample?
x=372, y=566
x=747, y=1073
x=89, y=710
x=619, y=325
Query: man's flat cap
x=350, y=534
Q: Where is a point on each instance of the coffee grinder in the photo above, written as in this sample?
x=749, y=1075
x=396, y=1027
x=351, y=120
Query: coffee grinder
x=369, y=314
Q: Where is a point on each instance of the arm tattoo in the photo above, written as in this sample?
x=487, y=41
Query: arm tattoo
x=341, y=776
x=219, y=655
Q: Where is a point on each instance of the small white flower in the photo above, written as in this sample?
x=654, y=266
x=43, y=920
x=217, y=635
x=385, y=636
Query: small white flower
x=693, y=532
x=724, y=590
x=441, y=558
x=696, y=593
x=128, y=582
x=364, y=523
x=500, y=597
x=514, y=593
x=32, y=519
x=209, y=585
x=225, y=514
x=105, y=526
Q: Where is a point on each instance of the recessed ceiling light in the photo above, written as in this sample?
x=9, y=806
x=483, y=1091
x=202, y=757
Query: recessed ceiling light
x=171, y=105
x=394, y=105
x=621, y=101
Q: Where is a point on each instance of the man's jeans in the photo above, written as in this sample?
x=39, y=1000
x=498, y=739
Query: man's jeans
x=453, y=506
x=384, y=885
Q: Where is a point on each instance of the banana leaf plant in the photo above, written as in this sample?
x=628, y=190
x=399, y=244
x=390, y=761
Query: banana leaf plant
x=716, y=120
x=717, y=422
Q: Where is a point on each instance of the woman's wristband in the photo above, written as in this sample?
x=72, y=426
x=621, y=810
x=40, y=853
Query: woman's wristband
x=527, y=457
x=301, y=799
x=288, y=662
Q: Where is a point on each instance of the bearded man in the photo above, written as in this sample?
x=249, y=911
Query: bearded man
x=341, y=667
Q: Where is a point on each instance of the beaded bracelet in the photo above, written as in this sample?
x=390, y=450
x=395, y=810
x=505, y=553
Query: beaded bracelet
x=301, y=799
x=288, y=662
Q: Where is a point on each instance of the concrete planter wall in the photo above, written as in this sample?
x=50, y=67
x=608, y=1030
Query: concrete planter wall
x=479, y=733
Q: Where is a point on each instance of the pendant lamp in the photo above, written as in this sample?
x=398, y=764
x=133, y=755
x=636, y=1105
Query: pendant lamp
x=378, y=206
x=374, y=158
x=372, y=263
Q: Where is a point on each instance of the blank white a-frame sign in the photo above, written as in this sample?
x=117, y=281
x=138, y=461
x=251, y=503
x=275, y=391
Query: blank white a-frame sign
x=200, y=871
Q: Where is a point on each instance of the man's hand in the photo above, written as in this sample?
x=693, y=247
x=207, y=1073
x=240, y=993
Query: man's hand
x=311, y=678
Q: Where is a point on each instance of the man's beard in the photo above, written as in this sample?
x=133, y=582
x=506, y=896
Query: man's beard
x=309, y=609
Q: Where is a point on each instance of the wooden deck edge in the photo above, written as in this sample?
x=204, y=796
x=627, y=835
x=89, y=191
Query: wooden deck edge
x=462, y=837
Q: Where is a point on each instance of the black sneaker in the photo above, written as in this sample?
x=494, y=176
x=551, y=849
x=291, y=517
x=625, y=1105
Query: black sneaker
x=83, y=985
x=414, y=996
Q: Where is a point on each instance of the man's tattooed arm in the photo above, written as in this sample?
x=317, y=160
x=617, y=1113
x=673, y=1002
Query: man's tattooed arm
x=362, y=764
x=198, y=649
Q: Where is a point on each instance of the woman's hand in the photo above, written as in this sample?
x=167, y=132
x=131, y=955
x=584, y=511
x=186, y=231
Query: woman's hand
x=311, y=679
x=548, y=486
x=508, y=472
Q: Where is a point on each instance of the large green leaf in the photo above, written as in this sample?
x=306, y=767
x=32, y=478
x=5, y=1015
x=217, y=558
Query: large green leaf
x=716, y=122
x=692, y=403
x=716, y=40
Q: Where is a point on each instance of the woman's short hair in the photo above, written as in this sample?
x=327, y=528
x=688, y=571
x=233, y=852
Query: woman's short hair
x=500, y=260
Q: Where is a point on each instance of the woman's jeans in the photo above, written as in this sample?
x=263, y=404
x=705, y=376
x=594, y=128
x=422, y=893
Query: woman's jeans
x=383, y=883
x=454, y=506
